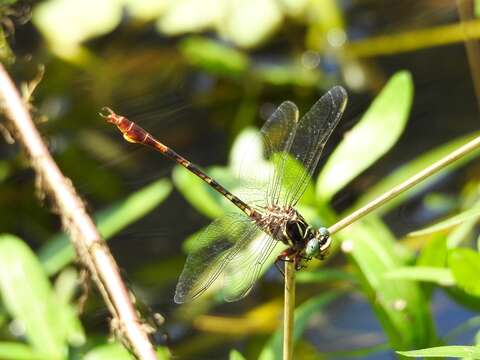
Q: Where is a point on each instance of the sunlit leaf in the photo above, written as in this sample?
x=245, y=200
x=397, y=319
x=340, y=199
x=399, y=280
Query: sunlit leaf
x=78, y=21
x=455, y=351
x=324, y=275
x=236, y=355
x=377, y=131
x=249, y=22
x=440, y=276
x=65, y=288
x=58, y=252
x=464, y=216
x=29, y=299
x=465, y=265
x=434, y=253
x=303, y=314
x=411, y=168
x=288, y=74
x=399, y=305
x=19, y=351
x=214, y=56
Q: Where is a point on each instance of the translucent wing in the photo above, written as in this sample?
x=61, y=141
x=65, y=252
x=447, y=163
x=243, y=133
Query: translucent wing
x=294, y=148
x=220, y=244
x=243, y=271
x=311, y=135
x=261, y=180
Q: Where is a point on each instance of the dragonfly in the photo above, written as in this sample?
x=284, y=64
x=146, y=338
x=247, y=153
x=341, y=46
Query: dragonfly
x=235, y=246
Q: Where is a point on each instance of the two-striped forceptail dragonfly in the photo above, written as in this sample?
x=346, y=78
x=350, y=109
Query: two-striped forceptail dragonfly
x=269, y=216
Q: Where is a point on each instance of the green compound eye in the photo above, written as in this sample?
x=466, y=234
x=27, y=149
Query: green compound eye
x=313, y=247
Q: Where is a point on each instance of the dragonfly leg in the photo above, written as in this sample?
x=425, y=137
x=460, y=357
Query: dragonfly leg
x=285, y=256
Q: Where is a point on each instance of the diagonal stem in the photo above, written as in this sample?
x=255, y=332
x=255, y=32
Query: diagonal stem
x=407, y=184
x=91, y=248
x=288, y=310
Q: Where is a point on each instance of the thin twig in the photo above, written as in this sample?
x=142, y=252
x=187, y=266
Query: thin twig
x=288, y=310
x=88, y=243
x=407, y=184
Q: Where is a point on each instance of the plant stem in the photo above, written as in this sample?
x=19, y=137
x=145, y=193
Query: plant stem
x=90, y=247
x=288, y=310
x=407, y=184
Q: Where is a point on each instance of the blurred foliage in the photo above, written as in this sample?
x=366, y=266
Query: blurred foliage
x=192, y=71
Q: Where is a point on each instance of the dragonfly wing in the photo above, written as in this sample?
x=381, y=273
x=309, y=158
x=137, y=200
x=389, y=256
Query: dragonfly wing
x=218, y=244
x=311, y=135
x=261, y=179
x=243, y=271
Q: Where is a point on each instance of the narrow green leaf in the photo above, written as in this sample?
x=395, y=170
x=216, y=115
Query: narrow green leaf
x=377, y=131
x=19, y=351
x=273, y=348
x=28, y=297
x=470, y=214
x=440, y=276
x=411, y=168
x=465, y=265
x=455, y=351
x=58, y=252
x=236, y=355
x=400, y=305
x=324, y=275
x=199, y=194
x=213, y=56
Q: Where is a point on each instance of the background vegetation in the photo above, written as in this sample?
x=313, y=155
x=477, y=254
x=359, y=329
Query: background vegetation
x=202, y=75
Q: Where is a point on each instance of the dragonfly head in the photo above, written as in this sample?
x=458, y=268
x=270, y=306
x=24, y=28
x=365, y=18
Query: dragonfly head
x=318, y=245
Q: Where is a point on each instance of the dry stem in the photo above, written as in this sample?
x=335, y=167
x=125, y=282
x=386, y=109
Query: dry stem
x=288, y=310
x=90, y=247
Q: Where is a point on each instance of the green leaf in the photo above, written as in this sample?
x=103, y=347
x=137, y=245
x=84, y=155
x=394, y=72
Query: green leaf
x=65, y=287
x=109, y=351
x=437, y=275
x=324, y=275
x=377, y=131
x=236, y=355
x=470, y=214
x=19, y=351
x=465, y=265
x=413, y=167
x=400, y=305
x=434, y=253
x=214, y=56
x=58, y=252
x=79, y=21
x=28, y=297
x=447, y=351
x=303, y=314
x=199, y=194
x=118, y=352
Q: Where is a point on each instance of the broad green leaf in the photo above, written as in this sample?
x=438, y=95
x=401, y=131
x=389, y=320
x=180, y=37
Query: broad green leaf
x=19, y=351
x=214, y=56
x=288, y=74
x=58, y=252
x=465, y=265
x=78, y=21
x=236, y=355
x=29, y=299
x=377, y=131
x=455, y=351
x=471, y=214
x=249, y=22
x=303, y=313
x=413, y=167
x=400, y=305
x=434, y=253
x=437, y=275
